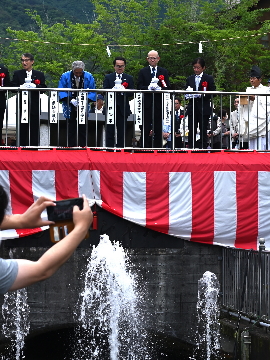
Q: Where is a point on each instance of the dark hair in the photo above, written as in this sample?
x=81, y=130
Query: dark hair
x=222, y=113
x=3, y=203
x=178, y=99
x=28, y=55
x=200, y=61
x=119, y=58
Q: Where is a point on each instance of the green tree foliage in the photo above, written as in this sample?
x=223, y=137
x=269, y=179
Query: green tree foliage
x=56, y=47
x=229, y=32
x=13, y=13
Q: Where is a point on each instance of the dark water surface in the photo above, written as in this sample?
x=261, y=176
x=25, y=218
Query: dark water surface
x=59, y=345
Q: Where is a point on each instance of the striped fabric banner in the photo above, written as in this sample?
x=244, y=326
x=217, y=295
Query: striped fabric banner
x=221, y=200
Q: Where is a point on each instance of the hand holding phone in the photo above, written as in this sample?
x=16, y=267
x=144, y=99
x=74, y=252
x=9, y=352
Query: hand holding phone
x=63, y=211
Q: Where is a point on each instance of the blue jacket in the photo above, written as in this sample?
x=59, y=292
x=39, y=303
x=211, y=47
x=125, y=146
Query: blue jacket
x=65, y=82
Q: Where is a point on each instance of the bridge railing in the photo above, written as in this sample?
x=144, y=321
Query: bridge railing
x=245, y=283
x=249, y=120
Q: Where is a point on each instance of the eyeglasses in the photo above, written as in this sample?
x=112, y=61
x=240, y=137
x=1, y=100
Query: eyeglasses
x=152, y=58
x=25, y=60
x=120, y=66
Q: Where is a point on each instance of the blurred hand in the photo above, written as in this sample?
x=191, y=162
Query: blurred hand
x=31, y=218
x=83, y=218
x=166, y=135
x=74, y=102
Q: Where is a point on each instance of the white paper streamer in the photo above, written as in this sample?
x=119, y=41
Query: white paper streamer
x=166, y=108
x=108, y=51
x=138, y=103
x=54, y=108
x=110, y=115
x=82, y=98
x=24, y=118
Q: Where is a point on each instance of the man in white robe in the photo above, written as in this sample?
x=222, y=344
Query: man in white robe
x=255, y=114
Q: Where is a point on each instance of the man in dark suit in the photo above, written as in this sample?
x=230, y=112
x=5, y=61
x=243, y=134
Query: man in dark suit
x=152, y=120
x=178, y=126
x=4, y=81
x=202, y=104
x=30, y=78
x=179, y=116
x=122, y=109
x=95, y=128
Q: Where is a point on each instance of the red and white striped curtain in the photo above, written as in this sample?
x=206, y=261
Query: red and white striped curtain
x=218, y=198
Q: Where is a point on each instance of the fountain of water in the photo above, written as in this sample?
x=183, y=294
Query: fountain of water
x=111, y=323
x=208, y=333
x=15, y=312
x=109, y=308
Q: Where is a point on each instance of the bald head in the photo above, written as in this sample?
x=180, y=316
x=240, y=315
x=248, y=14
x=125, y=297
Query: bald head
x=153, y=58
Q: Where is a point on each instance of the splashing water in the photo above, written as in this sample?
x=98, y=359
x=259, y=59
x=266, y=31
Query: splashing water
x=111, y=326
x=208, y=331
x=16, y=325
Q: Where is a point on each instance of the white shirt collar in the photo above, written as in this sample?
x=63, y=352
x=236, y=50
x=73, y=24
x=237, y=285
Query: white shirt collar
x=99, y=110
x=259, y=86
x=201, y=74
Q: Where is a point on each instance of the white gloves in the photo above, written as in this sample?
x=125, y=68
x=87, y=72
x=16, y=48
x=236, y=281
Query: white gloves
x=118, y=84
x=74, y=102
x=27, y=85
x=190, y=96
x=154, y=86
x=119, y=87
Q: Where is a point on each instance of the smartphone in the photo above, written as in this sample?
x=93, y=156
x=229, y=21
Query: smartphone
x=64, y=209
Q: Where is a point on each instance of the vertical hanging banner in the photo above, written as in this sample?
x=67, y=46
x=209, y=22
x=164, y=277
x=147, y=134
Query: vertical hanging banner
x=110, y=115
x=82, y=98
x=138, y=103
x=166, y=102
x=54, y=108
x=24, y=118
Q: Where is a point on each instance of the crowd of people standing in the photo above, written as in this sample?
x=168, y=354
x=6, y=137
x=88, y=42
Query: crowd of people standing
x=196, y=125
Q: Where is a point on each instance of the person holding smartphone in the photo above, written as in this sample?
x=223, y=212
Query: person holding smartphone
x=19, y=273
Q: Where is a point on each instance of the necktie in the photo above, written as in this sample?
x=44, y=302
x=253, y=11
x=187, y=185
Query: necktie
x=119, y=76
x=153, y=72
x=197, y=81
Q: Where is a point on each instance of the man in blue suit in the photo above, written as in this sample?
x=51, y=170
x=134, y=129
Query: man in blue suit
x=122, y=109
x=199, y=107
